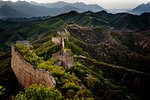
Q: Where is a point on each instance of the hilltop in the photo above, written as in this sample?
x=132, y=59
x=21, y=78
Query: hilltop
x=14, y=30
x=143, y=8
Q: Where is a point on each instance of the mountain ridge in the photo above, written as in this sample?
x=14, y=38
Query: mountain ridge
x=143, y=8
x=7, y=11
x=79, y=5
x=31, y=9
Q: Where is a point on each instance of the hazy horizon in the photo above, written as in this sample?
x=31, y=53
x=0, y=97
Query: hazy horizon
x=107, y=4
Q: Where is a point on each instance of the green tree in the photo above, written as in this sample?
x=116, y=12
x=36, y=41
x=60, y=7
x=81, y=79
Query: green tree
x=70, y=94
x=91, y=81
x=84, y=93
x=27, y=54
x=38, y=92
x=2, y=90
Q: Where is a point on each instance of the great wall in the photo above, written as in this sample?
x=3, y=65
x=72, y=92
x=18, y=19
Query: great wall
x=27, y=74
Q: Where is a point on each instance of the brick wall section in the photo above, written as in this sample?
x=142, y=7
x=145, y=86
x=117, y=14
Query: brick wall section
x=27, y=74
x=67, y=59
x=56, y=40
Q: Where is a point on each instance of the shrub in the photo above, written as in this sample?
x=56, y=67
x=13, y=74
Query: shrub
x=70, y=94
x=38, y=92
x=2, y=90
x=71, y=78
x=72, y=86
x=84, y=93
x=91, y=81
x=31, y=47
x=68, y=50
x=28, y=55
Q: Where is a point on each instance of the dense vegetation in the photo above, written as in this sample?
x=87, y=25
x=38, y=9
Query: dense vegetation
x=28, y=55
x=2, y=90
x=118, y=48
x=38, y=92
x=47, y=49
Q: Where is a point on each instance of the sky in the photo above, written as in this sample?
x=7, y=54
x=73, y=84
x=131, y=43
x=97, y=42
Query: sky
x=107, y=4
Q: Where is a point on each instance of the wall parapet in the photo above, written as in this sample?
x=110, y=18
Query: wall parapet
x=28, y=74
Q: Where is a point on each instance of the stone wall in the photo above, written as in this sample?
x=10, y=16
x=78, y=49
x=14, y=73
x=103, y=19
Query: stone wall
x=67, y=59
x=56, y=40
x=26, y=43
x=27, y=74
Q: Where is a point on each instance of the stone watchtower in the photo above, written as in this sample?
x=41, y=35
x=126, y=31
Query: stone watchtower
x=66, y=58
x=26, y=43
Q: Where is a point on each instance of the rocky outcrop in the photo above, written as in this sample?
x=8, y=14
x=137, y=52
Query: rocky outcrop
x=27, y=74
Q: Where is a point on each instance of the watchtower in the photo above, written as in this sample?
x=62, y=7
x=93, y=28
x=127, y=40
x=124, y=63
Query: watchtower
x=26, y=43
x=66, y=58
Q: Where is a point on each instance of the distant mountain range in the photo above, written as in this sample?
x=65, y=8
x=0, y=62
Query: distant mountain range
x=79, y=5
x=7, y=11
x=33, y=9
x=19, y=9
x=140, y=9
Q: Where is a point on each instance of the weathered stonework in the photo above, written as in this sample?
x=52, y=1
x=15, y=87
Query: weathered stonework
x=56, y=40
x=67, y=59
x=27, y=74
x=26, y=43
